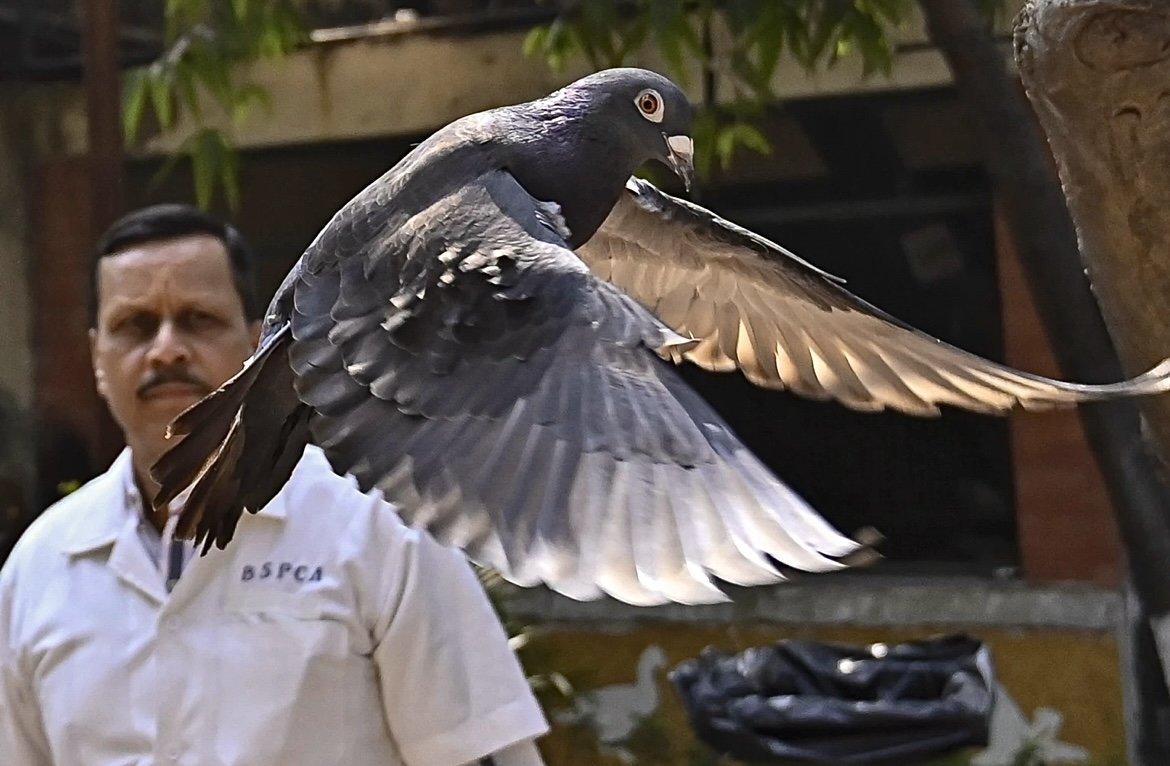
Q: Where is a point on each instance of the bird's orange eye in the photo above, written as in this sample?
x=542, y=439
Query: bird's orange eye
x=650, y=105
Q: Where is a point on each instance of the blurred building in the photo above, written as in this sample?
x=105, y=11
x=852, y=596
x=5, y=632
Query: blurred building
x=998, y=527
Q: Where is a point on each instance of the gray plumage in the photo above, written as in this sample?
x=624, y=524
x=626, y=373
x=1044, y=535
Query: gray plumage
x=481, y=335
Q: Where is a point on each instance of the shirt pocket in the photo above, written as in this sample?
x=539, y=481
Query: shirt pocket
x=285, y=675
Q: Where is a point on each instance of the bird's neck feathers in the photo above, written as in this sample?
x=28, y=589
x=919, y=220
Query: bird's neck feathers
x=577, y=162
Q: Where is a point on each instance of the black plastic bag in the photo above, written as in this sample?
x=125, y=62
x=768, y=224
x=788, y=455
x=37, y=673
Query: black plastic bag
x=811, y=702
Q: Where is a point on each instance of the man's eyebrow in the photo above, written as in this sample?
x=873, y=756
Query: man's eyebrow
x=200, y=300
x=126, y=306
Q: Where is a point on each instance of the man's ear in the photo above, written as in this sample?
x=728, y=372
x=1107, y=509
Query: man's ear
x=98, y=375
x=254, y=329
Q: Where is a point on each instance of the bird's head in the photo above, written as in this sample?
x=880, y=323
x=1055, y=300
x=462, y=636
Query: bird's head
x=643, y=113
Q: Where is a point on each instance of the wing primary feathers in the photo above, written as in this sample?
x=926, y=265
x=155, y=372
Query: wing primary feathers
x=749, y=301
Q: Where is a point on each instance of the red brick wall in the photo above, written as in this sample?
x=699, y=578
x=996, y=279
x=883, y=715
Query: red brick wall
x=1066, y=525
x=75, y=434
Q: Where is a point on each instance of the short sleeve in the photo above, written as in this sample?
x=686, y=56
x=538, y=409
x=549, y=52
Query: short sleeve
x=453, y=690
x=22, y=739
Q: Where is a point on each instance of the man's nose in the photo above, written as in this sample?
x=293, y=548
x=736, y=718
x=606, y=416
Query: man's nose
x=169, y=346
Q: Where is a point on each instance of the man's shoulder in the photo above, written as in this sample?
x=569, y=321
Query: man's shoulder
x=61, y=517
x=328, y=519
x=51, y=531
x=316, y=490
x=313, y=481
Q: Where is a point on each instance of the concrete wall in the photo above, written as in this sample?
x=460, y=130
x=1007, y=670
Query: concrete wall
x=403, y=82
x=16, y=364
x=1055, y=651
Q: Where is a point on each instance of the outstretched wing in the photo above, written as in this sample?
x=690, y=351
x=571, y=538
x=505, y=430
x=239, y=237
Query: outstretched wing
x=468, y=365
x=755, y=306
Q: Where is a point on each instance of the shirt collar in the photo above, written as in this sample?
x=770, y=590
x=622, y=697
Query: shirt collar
x=107, y=505
x=113, y=496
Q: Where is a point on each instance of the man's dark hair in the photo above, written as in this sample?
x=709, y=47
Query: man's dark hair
x=158, y=222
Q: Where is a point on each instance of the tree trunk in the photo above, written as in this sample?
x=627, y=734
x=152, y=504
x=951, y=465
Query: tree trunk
x=1019, y=164
x=1097, y=73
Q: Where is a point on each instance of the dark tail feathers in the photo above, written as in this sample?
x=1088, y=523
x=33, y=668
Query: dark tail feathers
x=239, y=446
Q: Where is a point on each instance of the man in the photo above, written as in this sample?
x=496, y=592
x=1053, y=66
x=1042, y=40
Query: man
x=328, y=633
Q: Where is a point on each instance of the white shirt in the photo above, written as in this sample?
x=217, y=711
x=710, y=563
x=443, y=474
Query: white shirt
x=326, y=633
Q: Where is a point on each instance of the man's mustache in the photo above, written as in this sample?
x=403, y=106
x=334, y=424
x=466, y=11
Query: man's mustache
x=172, y=375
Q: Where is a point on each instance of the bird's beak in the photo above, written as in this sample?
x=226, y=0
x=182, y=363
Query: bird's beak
x=682, y=158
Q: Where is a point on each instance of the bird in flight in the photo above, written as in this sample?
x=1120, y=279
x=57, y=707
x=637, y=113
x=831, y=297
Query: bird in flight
x=487, y=335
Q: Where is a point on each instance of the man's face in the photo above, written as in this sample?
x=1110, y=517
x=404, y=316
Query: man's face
x=170, y=328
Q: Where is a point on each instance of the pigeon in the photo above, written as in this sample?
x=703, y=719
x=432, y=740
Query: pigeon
x=488, y=335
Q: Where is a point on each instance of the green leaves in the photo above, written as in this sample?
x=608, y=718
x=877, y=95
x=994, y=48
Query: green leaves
x=214, y=165
x=720, y=133
x=556, y=42
x=754, y=36
x=676, y=33
x=134, y=92
x=207, y=42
